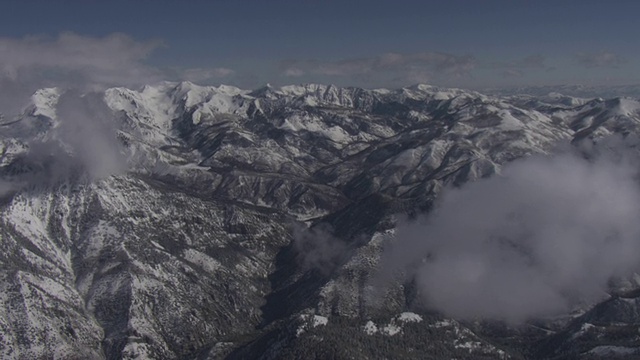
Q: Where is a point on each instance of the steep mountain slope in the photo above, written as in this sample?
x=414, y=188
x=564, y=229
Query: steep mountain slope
x=173, y=221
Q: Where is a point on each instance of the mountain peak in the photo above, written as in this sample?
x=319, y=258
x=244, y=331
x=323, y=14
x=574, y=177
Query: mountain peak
x=44, y=102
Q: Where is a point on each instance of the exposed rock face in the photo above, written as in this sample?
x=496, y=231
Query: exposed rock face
x=186, y=250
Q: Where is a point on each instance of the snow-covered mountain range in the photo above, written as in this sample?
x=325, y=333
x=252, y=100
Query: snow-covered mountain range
x=183, y=221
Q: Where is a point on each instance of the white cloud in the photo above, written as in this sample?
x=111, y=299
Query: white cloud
x=528, y=62
x=293, y=72
x=412, y=68
x=549, y=231
x=203, y=74
x=71, y=58
x=599, y=59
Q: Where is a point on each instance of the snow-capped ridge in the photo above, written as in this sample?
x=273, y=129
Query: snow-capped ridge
x=180, y=251
x=44, y=102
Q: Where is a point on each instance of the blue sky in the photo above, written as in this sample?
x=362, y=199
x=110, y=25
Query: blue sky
x=472, y=43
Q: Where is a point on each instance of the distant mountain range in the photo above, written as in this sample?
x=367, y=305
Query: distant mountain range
x=584, y=91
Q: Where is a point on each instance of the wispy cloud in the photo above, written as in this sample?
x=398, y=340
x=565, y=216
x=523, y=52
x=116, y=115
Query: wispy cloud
x=204, y=74
x=317, y=248
x=82, y=62
x=70, y=61
x=519, y=67
x=293, y=72
x=528, y=62
x=599, y=59
x=399, y=66
x=80, y=144
x=115, y=58
x=69, y=58
x=80, y=67
x=512, y=73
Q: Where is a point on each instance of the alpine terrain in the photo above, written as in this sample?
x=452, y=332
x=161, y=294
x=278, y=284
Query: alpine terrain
x=180, y=221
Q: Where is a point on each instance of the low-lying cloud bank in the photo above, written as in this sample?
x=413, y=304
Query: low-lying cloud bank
x=549, y=232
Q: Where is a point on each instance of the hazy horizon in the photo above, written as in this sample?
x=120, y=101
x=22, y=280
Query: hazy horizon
x=474, y=45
